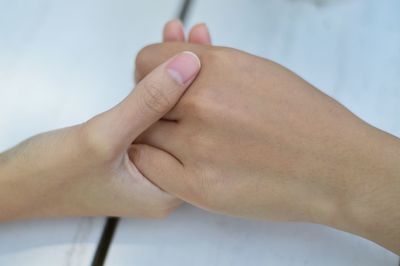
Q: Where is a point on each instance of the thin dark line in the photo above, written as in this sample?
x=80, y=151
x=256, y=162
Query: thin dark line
x=105, y=241
x=184, y=10
x=112, y=222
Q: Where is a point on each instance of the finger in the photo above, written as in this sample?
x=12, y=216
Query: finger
x=151, y=56
x=200, y=34
x=173, y=31
x=160, y=167
x=159, y=203
x=153, y=97
x=162, y=135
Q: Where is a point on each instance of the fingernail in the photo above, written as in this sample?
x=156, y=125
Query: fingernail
x=183, y=67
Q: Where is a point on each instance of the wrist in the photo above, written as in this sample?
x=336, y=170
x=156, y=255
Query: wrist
x=34, y=176
x=12, y=201
x=370, y=206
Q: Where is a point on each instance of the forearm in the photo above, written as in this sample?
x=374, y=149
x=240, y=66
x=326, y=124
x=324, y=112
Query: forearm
x=373, y=203
x=13, y=194
x=31, y=176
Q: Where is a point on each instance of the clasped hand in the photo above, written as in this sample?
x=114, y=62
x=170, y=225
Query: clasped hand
x=248, y=138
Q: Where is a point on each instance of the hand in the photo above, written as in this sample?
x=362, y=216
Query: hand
x=252, y=139
x=85, y=169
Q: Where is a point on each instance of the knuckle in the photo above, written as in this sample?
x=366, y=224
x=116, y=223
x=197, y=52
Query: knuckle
x=94, y=142
x=217, y=55
x=154, y=98
x=141, y=57
x=197, y=103
x=212, y=57
x=190, y=105
x=142, y=63
x=202, y=105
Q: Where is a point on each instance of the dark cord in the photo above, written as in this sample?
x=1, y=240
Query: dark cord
x=105, y=241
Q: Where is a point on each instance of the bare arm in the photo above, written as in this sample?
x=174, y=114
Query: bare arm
x=85, y=169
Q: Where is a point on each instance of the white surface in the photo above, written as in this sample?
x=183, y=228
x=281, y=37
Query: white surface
x=65, y=61
x=49, y=242
x=194, y=237
x=62, y=62
x=348, y=48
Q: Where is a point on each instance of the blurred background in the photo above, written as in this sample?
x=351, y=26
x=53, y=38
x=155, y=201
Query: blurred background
x=61, y=62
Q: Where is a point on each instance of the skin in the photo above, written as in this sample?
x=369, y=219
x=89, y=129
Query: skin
x=252, y=139
x=289, y=160
x=84, y=170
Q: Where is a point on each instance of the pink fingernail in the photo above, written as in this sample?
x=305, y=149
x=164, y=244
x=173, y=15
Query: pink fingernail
x=184, y=67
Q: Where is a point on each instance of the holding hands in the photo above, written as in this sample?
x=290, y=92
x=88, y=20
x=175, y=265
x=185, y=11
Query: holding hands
x=85, y=169
x=248, y=138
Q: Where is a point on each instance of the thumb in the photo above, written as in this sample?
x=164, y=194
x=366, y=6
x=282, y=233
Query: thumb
x=151, y=99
